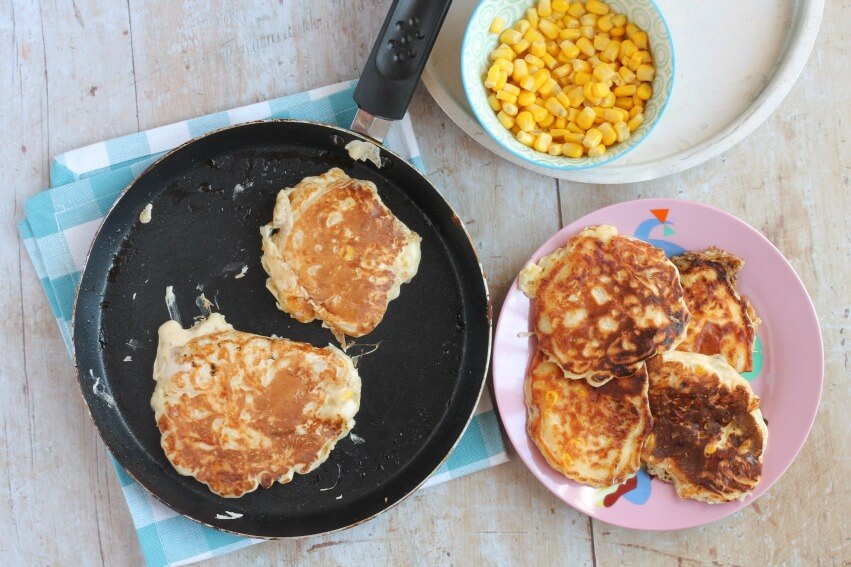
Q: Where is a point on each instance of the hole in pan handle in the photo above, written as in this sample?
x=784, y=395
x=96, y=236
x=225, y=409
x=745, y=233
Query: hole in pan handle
x=394, y=66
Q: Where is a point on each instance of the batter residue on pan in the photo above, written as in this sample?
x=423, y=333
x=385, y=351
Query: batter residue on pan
x=237, y=410
x=336, y=253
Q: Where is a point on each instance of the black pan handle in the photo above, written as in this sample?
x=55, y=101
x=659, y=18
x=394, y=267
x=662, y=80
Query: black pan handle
x=398, y=57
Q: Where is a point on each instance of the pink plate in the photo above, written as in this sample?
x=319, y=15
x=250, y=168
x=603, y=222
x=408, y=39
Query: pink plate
x=788, y=362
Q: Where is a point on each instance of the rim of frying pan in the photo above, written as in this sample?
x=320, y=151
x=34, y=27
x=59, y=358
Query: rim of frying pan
x=455, y=218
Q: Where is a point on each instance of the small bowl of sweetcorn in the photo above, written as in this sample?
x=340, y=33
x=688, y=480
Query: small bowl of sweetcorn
x=567, y=85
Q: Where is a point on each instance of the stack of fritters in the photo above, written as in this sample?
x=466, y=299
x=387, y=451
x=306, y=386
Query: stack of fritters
x=607, y=389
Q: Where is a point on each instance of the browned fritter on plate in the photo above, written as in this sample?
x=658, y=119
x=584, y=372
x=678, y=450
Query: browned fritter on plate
x=722, y=321
x=604, y=303
x=708, y=433
x=592, y=435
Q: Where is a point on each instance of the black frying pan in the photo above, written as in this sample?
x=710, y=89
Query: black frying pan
x=420, y=387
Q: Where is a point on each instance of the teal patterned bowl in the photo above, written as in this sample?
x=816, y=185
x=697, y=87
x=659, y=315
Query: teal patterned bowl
x=479, y=42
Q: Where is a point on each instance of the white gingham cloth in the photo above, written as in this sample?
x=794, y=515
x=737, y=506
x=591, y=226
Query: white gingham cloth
x=59, y=226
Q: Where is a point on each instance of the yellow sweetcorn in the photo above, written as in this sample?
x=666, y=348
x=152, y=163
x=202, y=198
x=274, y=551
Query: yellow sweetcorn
x=622, y=131
x=497, y=25
x=525, y=138
x=525, y=121
x=586, y=118
x=512, y=110
x=572, y=149
x=510, y=36
x=597, y=150
x=576, y=72
x=525, y=98
x=608, y=131
x=505, y=119
x=635, y=122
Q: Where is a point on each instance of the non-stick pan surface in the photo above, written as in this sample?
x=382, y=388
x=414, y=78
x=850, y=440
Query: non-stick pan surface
x=420, y=385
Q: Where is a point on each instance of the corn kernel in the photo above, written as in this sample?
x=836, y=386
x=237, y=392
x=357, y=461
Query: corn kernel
x=586, y=118
x=635, y=122
x=640, y=40
x=600, y=89
x=549, y=61
x=619, y=19
x=540, y=78
x=622, y=130
x=511, y=109
x=645, y=72
x=587, y=32
x=604, y=73
x=525, y=138
x=532, y=35
x=636, y=110
x=605, y=23
x=549, y=87
x=555, y=107
x=554, y=149
x=580, y=65
x=503, y=78
x=534, y=60
x=634, y=61
x=505, y=119
x=571, y=23
x=576, y=9
x=521, y=46
x=497, y=25
x=547, y=121
x=560, y=122
x=525, y=98
x=581, y=78
x=563, y=99
x=601, y=42
x=588, y=20
x=569, y=49
x=538, y=112
x=625, y=90
x=624, y=102
x=510, y=36
x=559, y=132
x=548, y=28
x=608, y=101
x=573, y=127
x=585, y=46
x=617, y=31
x=492, y=77
x=610, y=53
x=562, y=71
x=532, y=17
x=552, y=47
x=537, y=49
x=544, y=8
x=494, y=102
x=609, y=135
x=627, y=48
x=570, y=34
x=520, y=70
x=573, y=137
x=592, y=138
x=525, y=121
x=521, y=26
x=644, y=91
x=507, y=97
x=502, y=52
x=597, y=150
x=504, y=64
x=576, y=96
x=626, y=74
x=596, y=7
x=559, y=5
x=631, y=30
x=573, y=150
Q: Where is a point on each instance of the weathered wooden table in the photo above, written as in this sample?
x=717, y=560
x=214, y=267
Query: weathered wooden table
x=81, y=71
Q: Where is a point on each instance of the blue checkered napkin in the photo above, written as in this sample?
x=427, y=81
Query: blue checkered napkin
x=58, y=229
